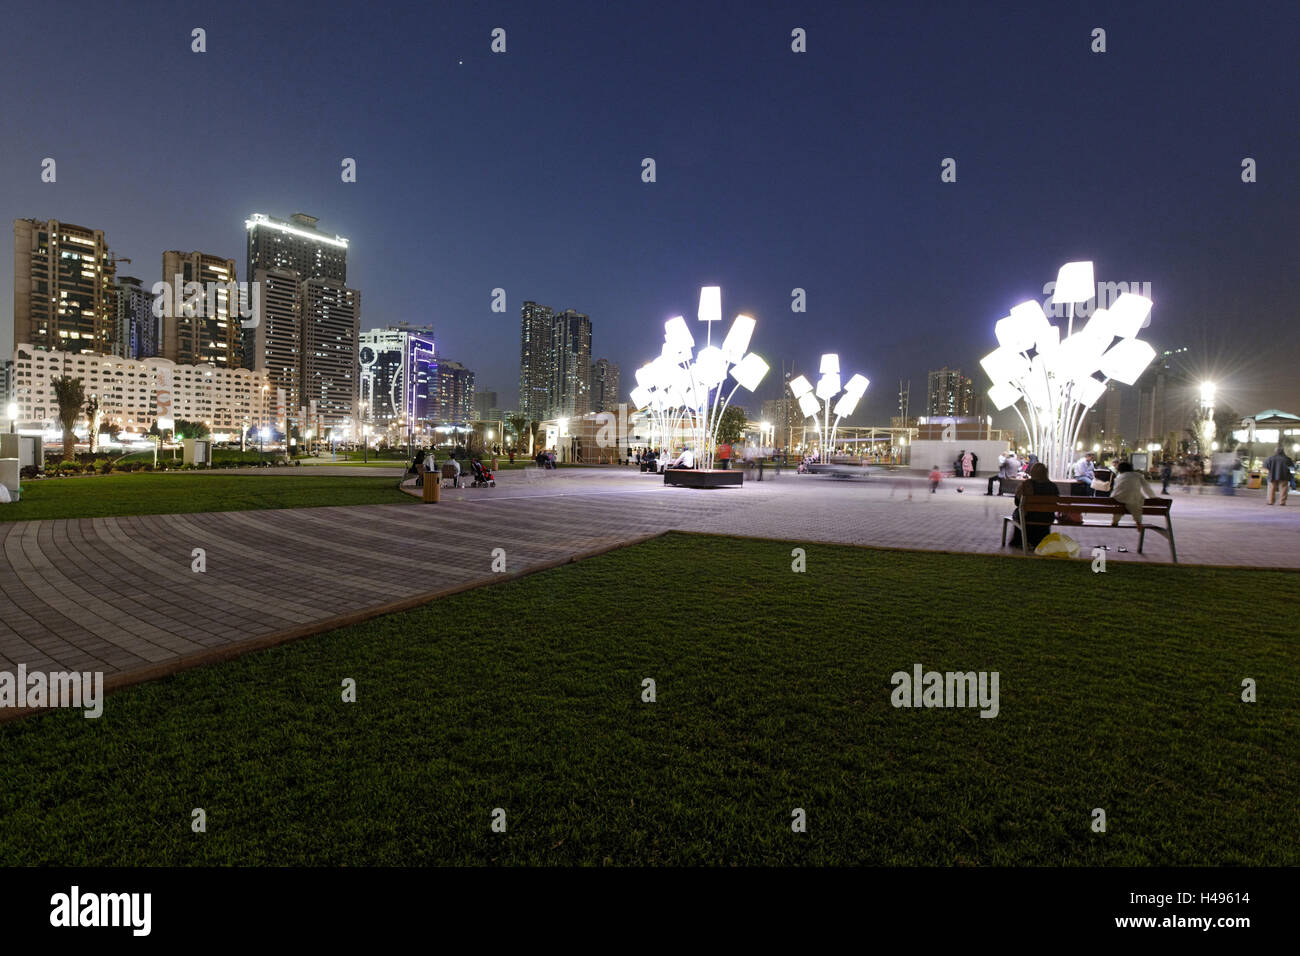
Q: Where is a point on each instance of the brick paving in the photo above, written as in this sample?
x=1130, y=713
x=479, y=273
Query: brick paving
x=118, y=594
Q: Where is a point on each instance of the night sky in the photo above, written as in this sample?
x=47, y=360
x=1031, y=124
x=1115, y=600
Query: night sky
x=775, y=170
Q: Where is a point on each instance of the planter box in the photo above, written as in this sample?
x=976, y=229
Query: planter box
x=702, y=478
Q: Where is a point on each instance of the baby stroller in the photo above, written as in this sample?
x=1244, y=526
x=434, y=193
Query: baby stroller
x=482, y=476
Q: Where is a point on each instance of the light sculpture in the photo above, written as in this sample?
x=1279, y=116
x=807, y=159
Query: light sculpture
x=1054, y=376
x=685, y=390
x=818, y=403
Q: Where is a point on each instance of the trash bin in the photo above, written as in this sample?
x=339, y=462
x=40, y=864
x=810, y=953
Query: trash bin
x=1256, y=480
x=430, y=486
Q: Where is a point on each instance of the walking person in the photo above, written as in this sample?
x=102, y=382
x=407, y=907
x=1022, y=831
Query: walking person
x=1166, y=473
x=1278, y=467
x=936, y=476
x=974, y=465
x=967, y=464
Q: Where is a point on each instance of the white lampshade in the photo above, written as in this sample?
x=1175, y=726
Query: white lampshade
x=828, y=385
x=800, y=386
x=645, y=375
x=1128, y=314
x=1035, y=386
x=1088, y=390
x=1074, y=283
x=1015, y=333
x=710, y=303
x=1005, y=365
x=678, y=335
x=1031, y=313
x=641, y=396
x=1048, y=338
x=809, y=405
x=1004, y=395
x=1126, y=360
x=737, y=340
x=710, y=367
x=1101, y=325
x=857, y=385
x=750, y=371
x=830, y=363
x=847, y=403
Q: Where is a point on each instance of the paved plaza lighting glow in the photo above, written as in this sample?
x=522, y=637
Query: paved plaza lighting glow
x=828, y=387
x=1055, y=377
x=684, y=389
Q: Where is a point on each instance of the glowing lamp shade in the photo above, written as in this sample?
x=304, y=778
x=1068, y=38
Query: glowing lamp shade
x=1129, y=313
x=1003, y=396
x=1101, y=325
x=678, y=335
x=1015, y=333
x=750, y=371
x=1126, y=360
x=645, y=376
x=847, y=403
x=857, y=385
x=800, y=386
x=641, y=396
x=809, y=405
x=828, y=385
x=737, y=340
x=1074, y=283
x=1004, y=364
x=710, y=303
x=830, y=363
x=1088, y=390
x=710, y=367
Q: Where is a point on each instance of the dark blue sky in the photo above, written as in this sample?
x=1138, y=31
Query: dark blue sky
x=775, y=170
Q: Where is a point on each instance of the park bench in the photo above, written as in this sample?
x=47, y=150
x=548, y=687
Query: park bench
x=1107, y=507
x=449, y=473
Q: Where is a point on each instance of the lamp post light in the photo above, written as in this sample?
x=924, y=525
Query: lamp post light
x=1058, y=382
x=12, y=411
x=816, y=403
x=684, y=389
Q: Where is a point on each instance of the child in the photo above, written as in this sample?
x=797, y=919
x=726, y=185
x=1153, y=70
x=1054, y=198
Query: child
x=1131, y=490
x=935, y=477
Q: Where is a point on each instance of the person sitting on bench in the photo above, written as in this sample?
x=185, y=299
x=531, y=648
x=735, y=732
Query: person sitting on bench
x=1008, y=469
x=1037, y=523
x=1131, y=490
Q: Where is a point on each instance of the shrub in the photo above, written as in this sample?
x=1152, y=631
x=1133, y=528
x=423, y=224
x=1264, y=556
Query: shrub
x=148, y=466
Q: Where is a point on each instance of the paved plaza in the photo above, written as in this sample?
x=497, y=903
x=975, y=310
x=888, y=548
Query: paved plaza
x=118, y=594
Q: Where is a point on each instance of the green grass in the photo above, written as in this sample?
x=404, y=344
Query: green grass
x=220, y=456
x=141, y=493
x=1119, y=691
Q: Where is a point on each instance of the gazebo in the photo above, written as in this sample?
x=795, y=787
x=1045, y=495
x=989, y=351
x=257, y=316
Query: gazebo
x=1277, y=428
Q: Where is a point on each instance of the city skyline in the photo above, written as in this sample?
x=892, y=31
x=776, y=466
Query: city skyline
x=894, y=263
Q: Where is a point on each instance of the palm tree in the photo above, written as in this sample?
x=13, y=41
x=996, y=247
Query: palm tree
x=71, y=395
x=533, y=427
x=517, y=424
x=93, y=415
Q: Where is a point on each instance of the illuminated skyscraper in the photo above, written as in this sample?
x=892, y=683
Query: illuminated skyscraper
x=64, y=296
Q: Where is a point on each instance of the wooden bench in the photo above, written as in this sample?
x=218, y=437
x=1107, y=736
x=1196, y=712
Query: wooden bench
x=1085, y=505
x=449, y=473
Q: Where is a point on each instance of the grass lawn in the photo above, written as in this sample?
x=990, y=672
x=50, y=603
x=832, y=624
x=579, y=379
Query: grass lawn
x=141, y=493
x=773, y=693
x=221, y=456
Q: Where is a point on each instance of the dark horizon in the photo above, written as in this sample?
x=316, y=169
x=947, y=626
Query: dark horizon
x=775, y=170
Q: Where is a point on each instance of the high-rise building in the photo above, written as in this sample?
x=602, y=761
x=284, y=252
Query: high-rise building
x=949, y=394
x=6, y=383
x=205, y=332
x=604, y=386
x=487, y=405
x=137, y=328
x=455, y=392
x=297, y=244
x=399, y=379
x=571, y=361
x=63, y=287
x=304, y=351
x=331, y=329
x=535, y=368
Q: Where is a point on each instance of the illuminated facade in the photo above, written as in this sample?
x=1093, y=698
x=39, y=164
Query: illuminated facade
x=399, y=379
x=64, y=294
x=208, y=333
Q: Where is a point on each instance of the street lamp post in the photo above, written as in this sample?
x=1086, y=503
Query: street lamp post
x=13, y=417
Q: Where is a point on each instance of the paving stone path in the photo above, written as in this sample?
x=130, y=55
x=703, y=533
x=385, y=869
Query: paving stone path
x=118, y=594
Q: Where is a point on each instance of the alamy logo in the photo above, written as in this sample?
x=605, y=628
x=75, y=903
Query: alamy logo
x=1107, y=293
x=55, y=689
x=103, y=909
x=190, y=299
x=949, y=689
